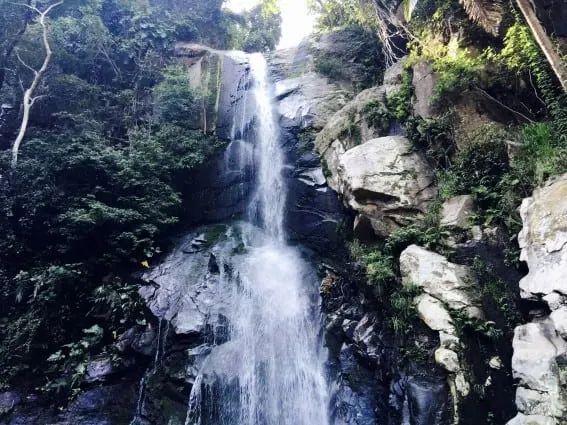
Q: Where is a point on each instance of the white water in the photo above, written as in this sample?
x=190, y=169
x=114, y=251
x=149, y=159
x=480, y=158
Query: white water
x=271, y=371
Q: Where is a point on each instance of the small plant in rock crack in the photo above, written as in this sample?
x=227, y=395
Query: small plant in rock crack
x=403, y=309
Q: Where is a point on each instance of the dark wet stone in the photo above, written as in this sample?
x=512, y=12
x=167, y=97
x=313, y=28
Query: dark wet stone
x=213, y=264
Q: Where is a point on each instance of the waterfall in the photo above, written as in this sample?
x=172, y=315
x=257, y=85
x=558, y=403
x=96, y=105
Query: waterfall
x=270, y=369
x=270, y=198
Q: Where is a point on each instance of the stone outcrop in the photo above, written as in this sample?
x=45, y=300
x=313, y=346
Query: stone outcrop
x=378, y=174
x=446, y=287
x=218, y=191
x=539, y=362
x=211, y=72
x=452, y=284
x=424, y=81
x=306, y=100
x=457, y=212
x=543, y=241
x=385, y=182
x=363, y=118
x=350, y=126
x=190, y=309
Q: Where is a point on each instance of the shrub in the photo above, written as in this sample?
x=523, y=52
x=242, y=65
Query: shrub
x=176, y=102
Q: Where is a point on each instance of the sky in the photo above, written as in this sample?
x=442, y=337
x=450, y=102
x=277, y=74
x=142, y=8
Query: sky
x=297, y=22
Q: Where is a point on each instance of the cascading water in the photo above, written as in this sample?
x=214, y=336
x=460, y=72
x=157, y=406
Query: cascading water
x=270, y=368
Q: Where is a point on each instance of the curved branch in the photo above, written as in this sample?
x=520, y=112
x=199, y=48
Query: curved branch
x=29, y=100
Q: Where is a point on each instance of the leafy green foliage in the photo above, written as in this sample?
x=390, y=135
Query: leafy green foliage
x=175, y=99
x=499, y=296
x=101, y=180
x=378, y=116
x=257, y=30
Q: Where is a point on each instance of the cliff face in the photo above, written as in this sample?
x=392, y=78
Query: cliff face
x=428, y=324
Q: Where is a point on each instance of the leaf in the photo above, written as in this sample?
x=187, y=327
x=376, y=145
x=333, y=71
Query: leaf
x=145, y=264
x=486, y=13
x=55, y=357
x=93, y=330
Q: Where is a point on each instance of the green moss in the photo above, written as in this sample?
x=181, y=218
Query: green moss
x=306, y=139
x=325, y=167
x=214, y=233
x=378, y=116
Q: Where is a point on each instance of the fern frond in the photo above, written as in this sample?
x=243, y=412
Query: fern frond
x=486, y=13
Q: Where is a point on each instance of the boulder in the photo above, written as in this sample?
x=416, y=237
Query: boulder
x=447, y=359
x=309, y=100
x=539, y=365
x=99, y=369
x=351, y=125
x=539, y=362
x=393, y=76
x=434, y=314
x=559, y=318
x=386, y=181
x=543, y=241
x=522, y=419
x=457, y=211
x=424, y=82
x=8, y=401
x=184, y=290
x=446, y=286
x=452, y=284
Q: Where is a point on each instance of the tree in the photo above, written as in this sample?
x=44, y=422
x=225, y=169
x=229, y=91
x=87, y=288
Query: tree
x=29, y=98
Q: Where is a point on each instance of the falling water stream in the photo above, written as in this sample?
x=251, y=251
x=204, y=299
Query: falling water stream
x=270, y=370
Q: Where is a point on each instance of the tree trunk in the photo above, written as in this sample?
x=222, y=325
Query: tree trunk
x=544, y=41
x=38, y=75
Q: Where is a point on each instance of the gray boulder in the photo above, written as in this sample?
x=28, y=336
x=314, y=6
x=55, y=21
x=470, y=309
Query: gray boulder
x=454, y=285
x=539, y=362
x=539, y=366
x=543, y=240
x=385, y=181
x=457, y=212
x=424, y=82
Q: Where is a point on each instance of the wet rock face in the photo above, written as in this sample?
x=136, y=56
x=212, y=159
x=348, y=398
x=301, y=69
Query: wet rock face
x=108, y=405
x=422, y=399
x=305, y=100
x=539, y=362
x=220, y=189
x=184, y=290
x=369, y=389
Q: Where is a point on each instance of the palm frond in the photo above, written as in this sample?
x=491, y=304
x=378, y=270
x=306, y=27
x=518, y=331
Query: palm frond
x=486, y=13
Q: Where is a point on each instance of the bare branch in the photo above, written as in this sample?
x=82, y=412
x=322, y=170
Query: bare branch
x=29, y=100
x=492, y=98
x=25, y=64
x=33, y=100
